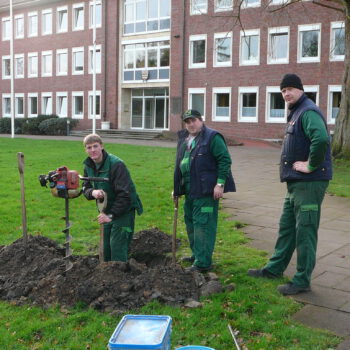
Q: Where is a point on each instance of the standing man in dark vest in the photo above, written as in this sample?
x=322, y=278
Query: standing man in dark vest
x=202, y=174
x=306, y=167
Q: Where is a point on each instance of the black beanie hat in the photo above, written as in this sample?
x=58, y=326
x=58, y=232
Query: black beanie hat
x=291, y=80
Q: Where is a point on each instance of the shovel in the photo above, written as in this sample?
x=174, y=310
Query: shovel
x=101, y=206
x=20, y=157
x=176, y=207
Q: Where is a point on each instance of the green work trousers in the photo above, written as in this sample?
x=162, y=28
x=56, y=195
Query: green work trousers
x=201, y=218
x=298, y=228
x=117, y=236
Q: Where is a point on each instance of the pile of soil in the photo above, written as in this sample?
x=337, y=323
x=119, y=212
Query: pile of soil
x=35, y=273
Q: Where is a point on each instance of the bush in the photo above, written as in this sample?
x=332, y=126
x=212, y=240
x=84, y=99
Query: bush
x=56, y=126
x=5, y=126
x=31, y=126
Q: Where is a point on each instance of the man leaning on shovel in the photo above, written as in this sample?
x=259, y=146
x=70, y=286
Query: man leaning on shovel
x=118, y=217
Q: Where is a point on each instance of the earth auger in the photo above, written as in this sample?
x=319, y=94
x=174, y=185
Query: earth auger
x=64, y=183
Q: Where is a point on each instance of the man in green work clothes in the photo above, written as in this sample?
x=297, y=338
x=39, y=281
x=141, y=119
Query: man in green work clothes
x=202, y=174
x=118, y=218
x=306, y=167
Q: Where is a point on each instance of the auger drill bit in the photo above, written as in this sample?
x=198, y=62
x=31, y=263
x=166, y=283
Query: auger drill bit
x=69, y=251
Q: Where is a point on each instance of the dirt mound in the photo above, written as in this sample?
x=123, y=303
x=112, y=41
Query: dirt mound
x=36, y=274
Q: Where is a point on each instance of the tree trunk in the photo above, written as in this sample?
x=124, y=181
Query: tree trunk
x=341, y=137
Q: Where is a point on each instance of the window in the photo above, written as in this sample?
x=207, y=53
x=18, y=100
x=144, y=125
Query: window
x=249, y=47
x=6, y=28
x=19, y=105
x=78, y=60
x=32, y=64
x=278, y=45
x=97, y=106
x=98, y=14
x=61, y=104
x=196, y=100
x=98, y=59
x=6, y=105
x=62, y=62
x=46, y=25
x=198, y=51
x=32, y=105
x=248, y=104
x=46, y=106
x=6, y=67
x=276, y=110
x=221, y=104
x=334, y=99
x=78, y=105
x=78, y=16
x=19, y=66
x=62, y=19
x=199, y=7
x=32, y=24
x=278, y=2
x=337, y=47
x=251, y=3
x=222, y=49
x=146, y=16
x=223, y=5
x=19, y=26
x=309, y=43
x=46, y=63
x=312, y=92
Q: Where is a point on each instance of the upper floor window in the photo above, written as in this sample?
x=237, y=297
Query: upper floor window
x=6, y=67
x=250, y=47
x=337, y=47
x=222, y=49
x=98, y=14
x=92, y=60
x=32, y=64
x=19, y=26
x=199, y=7
x=196, y=100
x=19, y=66
x=198, y=51
x=278, y=2
x=251, y=3
x=334, y=98
x=32, y=24
x=248, y=104
x=223, y=5
x=62, y=62
x=6, y=28
x=146, y=16
x=62, y=19
x=46, y=63
x=309, y=43
x=46, y=25
x=78, y=16
x=278, y=45
x=77, y=60
x=276, y=111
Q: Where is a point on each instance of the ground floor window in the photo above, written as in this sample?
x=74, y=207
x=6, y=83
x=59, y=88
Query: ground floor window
x=334, y=97
x=150, y=108
x=275, y=105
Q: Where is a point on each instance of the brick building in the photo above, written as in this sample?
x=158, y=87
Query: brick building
x=155, y=58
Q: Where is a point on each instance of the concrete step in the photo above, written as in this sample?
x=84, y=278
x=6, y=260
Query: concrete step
x=122, y=134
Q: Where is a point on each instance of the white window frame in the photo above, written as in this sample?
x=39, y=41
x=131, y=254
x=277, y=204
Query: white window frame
x=222, y=36
x=98, y=63
x=246, y=4
x=192, y=91
x=194, y=10
x=331, y=89
x=43, y=73
x=192, y=39
x=30, y=56
x=91, y=14
x=4, y=58
x=217, y=7
x=277, y=30
x=75, y=50
x=332, y=56
x=17, y=96
x=60, y=29
x=19, y=56
x=313, y=88
x=278, y=2
x=59, y=54
x=17, y=34
x=245, y=33
x=5, y=96
x=74, y=95
x=46, y=31
x=77, y=6
x=43, y=96
x=221, y=90
x=32, y=31
x=304, y=28
x=247, y=89
x=29, y=102
x=58, y=111
x=90, y=101
x=269, y=90
x=6, y=34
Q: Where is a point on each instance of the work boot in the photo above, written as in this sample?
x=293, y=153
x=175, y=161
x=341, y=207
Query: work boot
x=189, y=259
x=200, y=269
x=292, y=289
x=263, y=273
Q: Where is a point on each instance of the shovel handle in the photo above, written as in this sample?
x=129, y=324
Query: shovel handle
x=176, y=207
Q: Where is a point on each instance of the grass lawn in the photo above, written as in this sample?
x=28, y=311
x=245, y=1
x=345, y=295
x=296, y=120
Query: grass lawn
x=262, y=316
x=340, y=185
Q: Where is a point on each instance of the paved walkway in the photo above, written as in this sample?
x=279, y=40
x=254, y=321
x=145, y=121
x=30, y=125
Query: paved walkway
x=258, y=203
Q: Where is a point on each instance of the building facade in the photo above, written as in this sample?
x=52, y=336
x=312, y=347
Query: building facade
x=156, y=58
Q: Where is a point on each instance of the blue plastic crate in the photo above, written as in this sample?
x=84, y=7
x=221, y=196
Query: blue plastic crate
x=139, y=332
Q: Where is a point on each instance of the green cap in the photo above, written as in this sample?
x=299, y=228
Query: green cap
x=191, y=113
